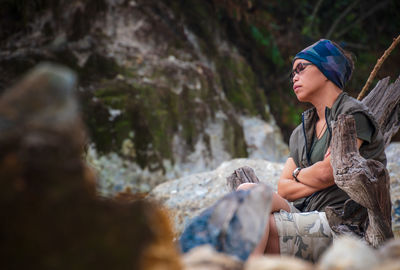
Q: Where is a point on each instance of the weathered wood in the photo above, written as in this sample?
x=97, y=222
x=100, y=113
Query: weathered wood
x=384, y=103
x=241, y=175
x=365, y=181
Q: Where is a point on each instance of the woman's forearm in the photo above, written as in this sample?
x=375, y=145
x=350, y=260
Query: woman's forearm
x=292, y=190
x=319, y=175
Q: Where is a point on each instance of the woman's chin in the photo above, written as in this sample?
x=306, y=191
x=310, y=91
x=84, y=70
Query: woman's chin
x=301, y=98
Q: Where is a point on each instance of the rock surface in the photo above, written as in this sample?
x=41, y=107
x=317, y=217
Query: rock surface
x=393, y=166
x=206, y=258
x=264, y=140
x=234, y=225
x=348, y=254
x=277, y=263
x=188, y=196
x=162, y=98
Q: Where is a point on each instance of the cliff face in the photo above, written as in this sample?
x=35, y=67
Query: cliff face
x=161, y=98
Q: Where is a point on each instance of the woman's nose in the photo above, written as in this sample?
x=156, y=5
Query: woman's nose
x=295, y=77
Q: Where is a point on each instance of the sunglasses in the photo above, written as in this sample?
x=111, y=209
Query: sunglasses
x=299, y=68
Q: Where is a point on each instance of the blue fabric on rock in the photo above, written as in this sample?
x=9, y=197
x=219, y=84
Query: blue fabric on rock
x=233, y=225
x=201, y=232
x=329, y=60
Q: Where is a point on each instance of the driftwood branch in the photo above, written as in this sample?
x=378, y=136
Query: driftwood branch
x=377, y=67
x=365, y=181
x=241, y=175
x=384, y=103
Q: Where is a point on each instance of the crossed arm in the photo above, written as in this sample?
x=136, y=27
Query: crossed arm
x=312, y=179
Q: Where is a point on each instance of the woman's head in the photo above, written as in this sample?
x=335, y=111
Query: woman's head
x=335, y=63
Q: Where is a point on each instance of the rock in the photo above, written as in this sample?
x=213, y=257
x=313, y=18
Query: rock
x=393, y=166
x=52, y=216
x=157, y=104
x=389, y=265
x=390, y=250
x=264, y=140
x=206, y=258
x=348, y=253
x=233, y=225
x=277, y=263
x=188, y=196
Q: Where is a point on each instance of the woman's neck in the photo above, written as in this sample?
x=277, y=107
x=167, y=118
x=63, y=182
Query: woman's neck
x=326, y=98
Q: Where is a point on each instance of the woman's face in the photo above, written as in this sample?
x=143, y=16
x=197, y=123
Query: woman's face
x=308, y=82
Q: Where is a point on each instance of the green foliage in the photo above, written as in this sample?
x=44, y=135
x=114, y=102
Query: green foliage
x=240, y=85
x=267, y=40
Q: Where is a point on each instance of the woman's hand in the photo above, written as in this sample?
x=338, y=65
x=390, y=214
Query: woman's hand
x=311, y=179
x=288, y=188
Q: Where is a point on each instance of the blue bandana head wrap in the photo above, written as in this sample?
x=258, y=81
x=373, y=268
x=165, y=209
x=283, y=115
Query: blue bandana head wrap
x=329, y=60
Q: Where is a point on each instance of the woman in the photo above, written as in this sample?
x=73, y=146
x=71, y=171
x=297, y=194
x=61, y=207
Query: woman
x=300, y=228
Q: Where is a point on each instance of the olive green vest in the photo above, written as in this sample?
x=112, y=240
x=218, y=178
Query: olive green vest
x=300, y=146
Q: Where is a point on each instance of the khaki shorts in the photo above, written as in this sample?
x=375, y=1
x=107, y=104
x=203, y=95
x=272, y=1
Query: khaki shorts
x=306, y=235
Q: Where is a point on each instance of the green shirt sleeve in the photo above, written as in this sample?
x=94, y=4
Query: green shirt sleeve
x=364, y=127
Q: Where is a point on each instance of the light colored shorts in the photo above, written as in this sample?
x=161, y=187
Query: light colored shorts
x=306, y=235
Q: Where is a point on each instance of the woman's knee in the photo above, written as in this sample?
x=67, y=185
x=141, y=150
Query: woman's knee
x=246, y=186
x=278, y=203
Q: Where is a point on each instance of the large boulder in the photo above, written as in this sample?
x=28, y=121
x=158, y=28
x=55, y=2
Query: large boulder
x=162, y=98
x=393, y=165
x=186, y=197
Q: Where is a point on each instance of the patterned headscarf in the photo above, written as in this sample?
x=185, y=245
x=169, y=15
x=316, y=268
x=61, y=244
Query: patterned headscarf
x=329, y=60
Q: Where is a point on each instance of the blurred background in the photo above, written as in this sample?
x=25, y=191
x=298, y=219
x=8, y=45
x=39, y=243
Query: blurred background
x=171, y=88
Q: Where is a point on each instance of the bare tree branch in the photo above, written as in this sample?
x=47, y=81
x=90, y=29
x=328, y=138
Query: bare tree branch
x=316, y=8
x=340, y=18
x=378, y=66
x=362, y=18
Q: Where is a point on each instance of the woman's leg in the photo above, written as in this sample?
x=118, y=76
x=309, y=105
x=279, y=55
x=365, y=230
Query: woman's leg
x=270, y=241
x=273, y=238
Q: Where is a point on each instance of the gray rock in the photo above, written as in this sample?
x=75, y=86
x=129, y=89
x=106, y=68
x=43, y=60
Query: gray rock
x=206, y=258
x=233, y=225
x=188, y=196
x=390, y=250
x=264, y=140
x=348, y=253
x=393, y=165
x=277, y=263
x=157, y=104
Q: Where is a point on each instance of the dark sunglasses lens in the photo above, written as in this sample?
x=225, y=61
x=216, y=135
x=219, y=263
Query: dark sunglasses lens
x=300, y=67
x=295, y=71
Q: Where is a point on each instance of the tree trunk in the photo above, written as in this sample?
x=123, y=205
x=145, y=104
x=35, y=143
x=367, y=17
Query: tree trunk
x=365, y=181
x=384, y=103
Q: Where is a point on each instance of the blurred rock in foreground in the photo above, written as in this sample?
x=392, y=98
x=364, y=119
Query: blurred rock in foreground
x=51, y=216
